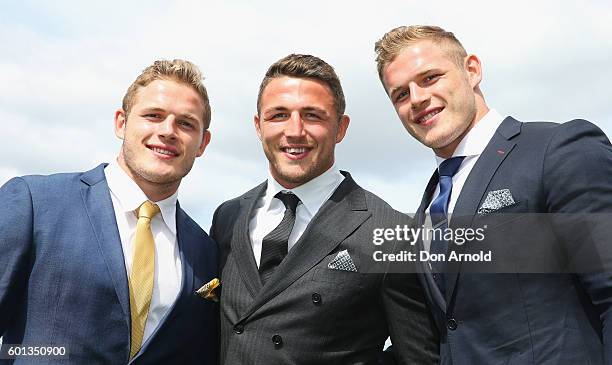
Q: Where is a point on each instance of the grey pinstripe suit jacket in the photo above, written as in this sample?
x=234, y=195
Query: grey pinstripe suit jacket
x=307, y=313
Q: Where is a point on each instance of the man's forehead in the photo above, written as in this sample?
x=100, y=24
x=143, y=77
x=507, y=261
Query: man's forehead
x=296, y=88
x=417, y=58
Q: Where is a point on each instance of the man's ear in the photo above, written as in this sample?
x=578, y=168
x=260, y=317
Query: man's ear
x=342, y=127
x=473, y=69
x=256, y=121
x=120, y=122
x=205, y=142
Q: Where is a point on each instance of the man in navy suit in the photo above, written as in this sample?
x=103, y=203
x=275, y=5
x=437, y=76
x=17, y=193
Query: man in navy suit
x=544, y=191
x=105, y=262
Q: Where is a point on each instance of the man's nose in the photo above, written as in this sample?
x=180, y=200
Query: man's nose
x=295, y=125
x=168, y=126
x=418, y=95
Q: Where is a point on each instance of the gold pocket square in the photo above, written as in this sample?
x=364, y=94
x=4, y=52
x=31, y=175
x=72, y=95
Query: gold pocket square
x=207, y=291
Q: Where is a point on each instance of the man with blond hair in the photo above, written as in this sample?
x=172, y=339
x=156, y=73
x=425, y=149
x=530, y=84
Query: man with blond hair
x=101, y=266
x=542, y=191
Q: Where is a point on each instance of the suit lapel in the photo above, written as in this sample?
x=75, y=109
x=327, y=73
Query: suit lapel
x=432, y=288
x=99, y=207
x=476, y=186
x=344, y=211
x=241, y=241
x=185, y=241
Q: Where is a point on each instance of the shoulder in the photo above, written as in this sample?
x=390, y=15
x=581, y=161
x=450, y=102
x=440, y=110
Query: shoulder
x=381, y=210
x=232, y=206
x=192, y=229
x=549, y=130
x=43, y=186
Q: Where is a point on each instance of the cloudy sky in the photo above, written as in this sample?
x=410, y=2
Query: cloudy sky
x=65, y=66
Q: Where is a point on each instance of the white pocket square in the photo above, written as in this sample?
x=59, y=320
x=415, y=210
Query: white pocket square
x=342, y=261
x=495, y=200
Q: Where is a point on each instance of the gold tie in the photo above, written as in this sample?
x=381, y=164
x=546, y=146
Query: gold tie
x=141, y=276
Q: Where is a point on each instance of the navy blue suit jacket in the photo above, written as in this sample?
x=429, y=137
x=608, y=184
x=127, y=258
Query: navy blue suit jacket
x=63, y=279
x=536, y=315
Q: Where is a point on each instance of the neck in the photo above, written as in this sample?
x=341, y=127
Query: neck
x=154, y=191
x=481, y=110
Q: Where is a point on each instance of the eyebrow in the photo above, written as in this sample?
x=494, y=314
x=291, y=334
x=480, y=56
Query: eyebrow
x=185, y=115
x=315, y=109
x=419, y=75
x=284, y=109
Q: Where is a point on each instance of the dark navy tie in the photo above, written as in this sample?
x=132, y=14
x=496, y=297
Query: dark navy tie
x=274, y=245
x=439, y=216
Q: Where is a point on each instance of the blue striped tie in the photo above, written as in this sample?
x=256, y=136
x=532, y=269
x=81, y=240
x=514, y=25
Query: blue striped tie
x=439, y=216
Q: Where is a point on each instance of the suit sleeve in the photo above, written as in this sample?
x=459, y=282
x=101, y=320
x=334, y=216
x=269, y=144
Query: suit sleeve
x=16, y=220
x=578, y=185
x=412, y=329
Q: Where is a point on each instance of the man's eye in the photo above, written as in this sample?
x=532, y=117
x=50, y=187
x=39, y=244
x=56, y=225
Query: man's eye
x=432, y=78
x=185, y=123
x=312, y=116
x=152, y=116
x=279, y=116
x=401, y=95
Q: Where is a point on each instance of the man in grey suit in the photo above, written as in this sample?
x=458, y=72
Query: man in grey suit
x=103, y=264
x=296, y=250
x=543, y=191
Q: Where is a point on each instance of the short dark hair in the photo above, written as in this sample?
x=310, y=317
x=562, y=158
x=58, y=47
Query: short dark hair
x=310, y=67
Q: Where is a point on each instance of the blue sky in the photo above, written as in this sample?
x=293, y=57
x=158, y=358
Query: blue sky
x=65, y=66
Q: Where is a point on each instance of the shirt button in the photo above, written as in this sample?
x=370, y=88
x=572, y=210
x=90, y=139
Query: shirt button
x=316, y=298
x=277, y=340
x=451, y=324
x=238, y=329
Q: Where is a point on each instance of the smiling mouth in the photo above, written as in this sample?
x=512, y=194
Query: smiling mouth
x=425, y=118
x=163, y=151
x=295, y=153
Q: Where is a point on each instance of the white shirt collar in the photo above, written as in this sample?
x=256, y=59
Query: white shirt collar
x=476, y=140
x=313, y=194
x=130, y=196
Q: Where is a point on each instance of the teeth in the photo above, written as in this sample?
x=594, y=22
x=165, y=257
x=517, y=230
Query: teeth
x=162, y=151
x=295, y=150
x=428, y=116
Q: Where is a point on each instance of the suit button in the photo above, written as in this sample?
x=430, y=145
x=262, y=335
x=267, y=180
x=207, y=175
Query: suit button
x=238, y=329
x=316, y=298
x=451, y=324
x=277, y=340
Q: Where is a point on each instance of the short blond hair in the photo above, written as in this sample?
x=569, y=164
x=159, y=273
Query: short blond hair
x=177, y=70
x=395, y=40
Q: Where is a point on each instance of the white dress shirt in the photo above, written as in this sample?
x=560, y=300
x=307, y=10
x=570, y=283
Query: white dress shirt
x=127, y=197
x=269, y=211
x=471, y=146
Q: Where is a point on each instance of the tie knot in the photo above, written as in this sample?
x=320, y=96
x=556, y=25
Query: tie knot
x=147, y=209
x=289, y=199
x=450, y=166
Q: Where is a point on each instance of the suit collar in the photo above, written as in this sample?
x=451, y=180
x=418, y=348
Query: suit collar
x=313, y=194
x=186, y=239
x=99, y=208
x=477, y=138
x=345, y=210
x=432, y=289
x=241, y=242
x=476, y=185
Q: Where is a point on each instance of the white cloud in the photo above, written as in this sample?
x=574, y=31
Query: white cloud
x=67, y=65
